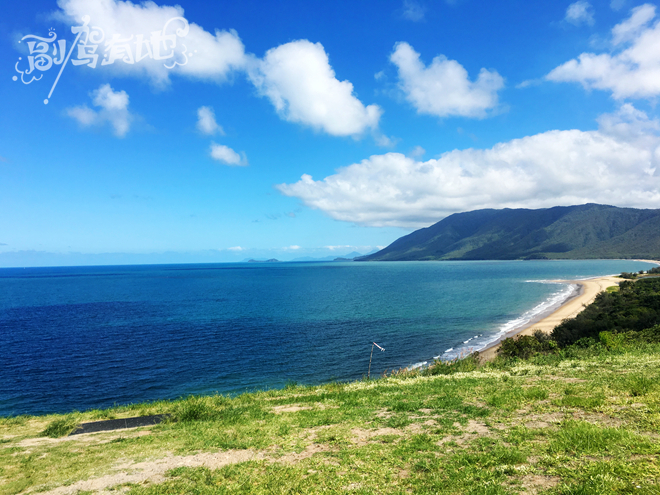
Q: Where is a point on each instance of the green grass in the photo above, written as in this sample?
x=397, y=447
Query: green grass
x=581, y=421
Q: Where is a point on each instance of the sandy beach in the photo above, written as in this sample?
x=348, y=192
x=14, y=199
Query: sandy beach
x=587, y=292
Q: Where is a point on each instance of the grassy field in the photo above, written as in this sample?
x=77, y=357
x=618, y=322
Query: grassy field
x=577, y=422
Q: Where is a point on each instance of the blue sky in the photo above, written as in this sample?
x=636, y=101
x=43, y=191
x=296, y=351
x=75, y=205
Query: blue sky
x=312, y=128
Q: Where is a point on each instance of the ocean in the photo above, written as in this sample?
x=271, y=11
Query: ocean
x=78, y=338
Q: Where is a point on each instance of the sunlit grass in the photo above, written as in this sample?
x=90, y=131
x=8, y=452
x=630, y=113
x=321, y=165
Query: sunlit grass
x=585, y=422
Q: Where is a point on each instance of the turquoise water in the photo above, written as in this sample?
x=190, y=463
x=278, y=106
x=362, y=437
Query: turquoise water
x=88, y=337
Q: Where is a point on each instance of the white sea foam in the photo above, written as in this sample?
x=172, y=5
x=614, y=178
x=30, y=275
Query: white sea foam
x=537, y=312
x=546, y=307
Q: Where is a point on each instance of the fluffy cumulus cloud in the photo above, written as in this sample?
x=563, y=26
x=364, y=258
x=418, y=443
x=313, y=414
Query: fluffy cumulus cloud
x=631, y=70
x=228, y=156
x=299, y=81
x=444, y=88
x=579, y=12
x=210, y=56
x=112, y=109
x=617, y=164
x=206, y=123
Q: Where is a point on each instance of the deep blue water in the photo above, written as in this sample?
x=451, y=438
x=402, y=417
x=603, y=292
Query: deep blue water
x=77, y=338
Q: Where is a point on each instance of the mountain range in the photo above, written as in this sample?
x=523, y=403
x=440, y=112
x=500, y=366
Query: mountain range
x=589, y=231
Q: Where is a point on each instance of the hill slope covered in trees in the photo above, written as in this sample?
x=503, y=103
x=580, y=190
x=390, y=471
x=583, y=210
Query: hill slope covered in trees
x=588, y=231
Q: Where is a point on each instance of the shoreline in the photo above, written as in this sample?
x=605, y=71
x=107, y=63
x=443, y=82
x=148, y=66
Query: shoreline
x=570, y=308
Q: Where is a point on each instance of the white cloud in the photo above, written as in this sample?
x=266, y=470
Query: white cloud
x=227, y=155
x=444, y=88
x=113, y=107
x=580, y=12
x=617, y=164
x=335, y=248
x=301, y=84
x=385, y=141
x=631, y=73
x=413, y=11
x=236, y=248
x=206, y=123
x=631, y=28
x=214, y=56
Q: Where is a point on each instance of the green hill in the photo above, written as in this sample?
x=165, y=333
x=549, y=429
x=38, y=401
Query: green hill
x=563, y=232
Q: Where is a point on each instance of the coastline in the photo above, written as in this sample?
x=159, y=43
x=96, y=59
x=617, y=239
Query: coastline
x=570, y=308
x=587, y=292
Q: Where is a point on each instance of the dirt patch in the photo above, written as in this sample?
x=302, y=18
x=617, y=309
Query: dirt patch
x=542, y=420
x=472, y=430
x=153, y=471
x=297, y=407
x=309, y=451
x=598, y=419
x=97, y=438
x=533, y=484
x=311, y=434
x=290, y=408
x=362, y=437
x=417, y=428
x=475, y=427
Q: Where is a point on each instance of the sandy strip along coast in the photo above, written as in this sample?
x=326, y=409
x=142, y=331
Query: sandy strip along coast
x=587, y=292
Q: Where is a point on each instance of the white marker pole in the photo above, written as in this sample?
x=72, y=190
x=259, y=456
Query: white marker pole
x=372, y=355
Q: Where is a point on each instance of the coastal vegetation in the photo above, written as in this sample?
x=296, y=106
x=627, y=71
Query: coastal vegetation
x=588, y=231
x=628, y=315
x=574, y=412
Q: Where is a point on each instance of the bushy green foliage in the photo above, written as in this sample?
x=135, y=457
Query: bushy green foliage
x=628, y=275
x=635, y=307
x=526, y=346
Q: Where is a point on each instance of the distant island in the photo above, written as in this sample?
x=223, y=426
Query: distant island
x=272, y=260
x=588, y=231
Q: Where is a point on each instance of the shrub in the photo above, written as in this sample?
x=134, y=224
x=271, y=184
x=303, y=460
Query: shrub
x=612, y=341
x=60, y=427
x=526, y=346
